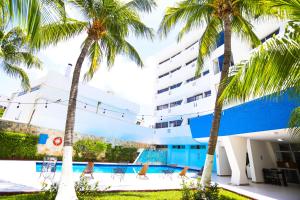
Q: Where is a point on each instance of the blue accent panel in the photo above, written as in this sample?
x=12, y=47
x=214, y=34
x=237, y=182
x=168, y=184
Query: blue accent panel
x=43, y=138
x=258, y=115
x=220, y=40
x=221, y=60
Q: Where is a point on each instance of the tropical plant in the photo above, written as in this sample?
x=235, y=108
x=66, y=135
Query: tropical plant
x=89, y=148
x=107, y=24
x=14, y=53
x=230, y=16
x=275, y=66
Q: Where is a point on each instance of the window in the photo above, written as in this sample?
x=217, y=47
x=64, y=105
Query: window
x=35, y=88
x=205, y=72
x=276, y=32
x=220, y=40
x=190, y=61
x=192, y=79
x=174, y=70
x=161, y=107
x=31, y=90
x=161, y=146
x=198, y=147
x=163, y=75
x=176, y=54
x=178, y=147
x=194, y=98
x=191, y=45
x=175, y=86
x=161, y=125
x=164, y=61
x=207, y=93
x=162, y=90
x=175, y=123
x=175, y=103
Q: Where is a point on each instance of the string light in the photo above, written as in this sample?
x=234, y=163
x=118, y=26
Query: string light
x=96, y=106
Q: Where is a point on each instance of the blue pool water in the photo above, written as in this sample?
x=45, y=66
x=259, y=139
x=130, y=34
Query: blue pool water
x=108, y=168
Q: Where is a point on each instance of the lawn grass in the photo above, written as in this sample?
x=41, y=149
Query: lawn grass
x=162, y=195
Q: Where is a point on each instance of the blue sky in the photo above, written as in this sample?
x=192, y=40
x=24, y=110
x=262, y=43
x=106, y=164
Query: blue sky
x=125, y=78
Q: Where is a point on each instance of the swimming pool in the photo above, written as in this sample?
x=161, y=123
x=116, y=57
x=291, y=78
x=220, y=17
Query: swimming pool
x=108, y=168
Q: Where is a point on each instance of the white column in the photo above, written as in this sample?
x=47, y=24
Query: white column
x=260, y=156
x=236, y=148
x=223, y=167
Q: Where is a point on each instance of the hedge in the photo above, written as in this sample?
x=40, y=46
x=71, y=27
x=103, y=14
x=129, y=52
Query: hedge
x=18, y=146
x=120, y=154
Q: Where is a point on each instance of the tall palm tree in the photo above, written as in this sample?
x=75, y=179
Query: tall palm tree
x=14, y=52
x=107, y=23
x=275, y=66
x=230, y=16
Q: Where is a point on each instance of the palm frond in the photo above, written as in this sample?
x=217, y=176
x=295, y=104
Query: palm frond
x=95, y=58
x=294, y=124
x=130, y=51
x=16, y=72
x=272, y=68
x=141, y=5
x=181, y=12
x=53, y=33
x=208, y=41
x=244, y=30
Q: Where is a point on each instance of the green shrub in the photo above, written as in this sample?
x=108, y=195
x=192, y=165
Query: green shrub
x=191, y=191
x=89, y=149
x=120, y=154
x=18, y=145
x=1, y=112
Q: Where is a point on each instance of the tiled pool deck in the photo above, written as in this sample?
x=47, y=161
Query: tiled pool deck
x=15, y=180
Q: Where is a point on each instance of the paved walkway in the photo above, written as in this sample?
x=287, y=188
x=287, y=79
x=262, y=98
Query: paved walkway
x=155, y=182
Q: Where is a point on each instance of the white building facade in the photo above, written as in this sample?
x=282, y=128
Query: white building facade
x=98, y=112
x=250, y=140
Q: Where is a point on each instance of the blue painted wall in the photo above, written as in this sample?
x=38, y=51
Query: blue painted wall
x=258, y=115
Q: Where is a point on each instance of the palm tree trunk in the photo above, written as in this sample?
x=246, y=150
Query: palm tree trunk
x=66, y=190
x=213, y=138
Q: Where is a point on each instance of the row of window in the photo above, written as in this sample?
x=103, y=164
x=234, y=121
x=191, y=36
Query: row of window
x=31, y=90
x=174, y=123
x=169, y=88
x=188, y=100
x=192, y=147
x=178, y=68
x=199, y=96
x=220, y=41
x=179, y=84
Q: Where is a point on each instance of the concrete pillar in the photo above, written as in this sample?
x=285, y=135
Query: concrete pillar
x=261, y=155
x=236, y=148
x=223, y=167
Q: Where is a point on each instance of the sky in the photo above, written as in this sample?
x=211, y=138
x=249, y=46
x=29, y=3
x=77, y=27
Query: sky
x=125, y=78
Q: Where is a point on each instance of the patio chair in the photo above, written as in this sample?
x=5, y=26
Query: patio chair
x=182, y=174
x=143, y=171
x=119, y=172
x=168, y=172
x=89, y=169
x=48, y=167
x=200, y=171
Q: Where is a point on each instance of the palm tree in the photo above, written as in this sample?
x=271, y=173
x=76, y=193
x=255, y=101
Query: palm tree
x=107, y=24
x=274, y=67
x=230, y=16
x=14, y=53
